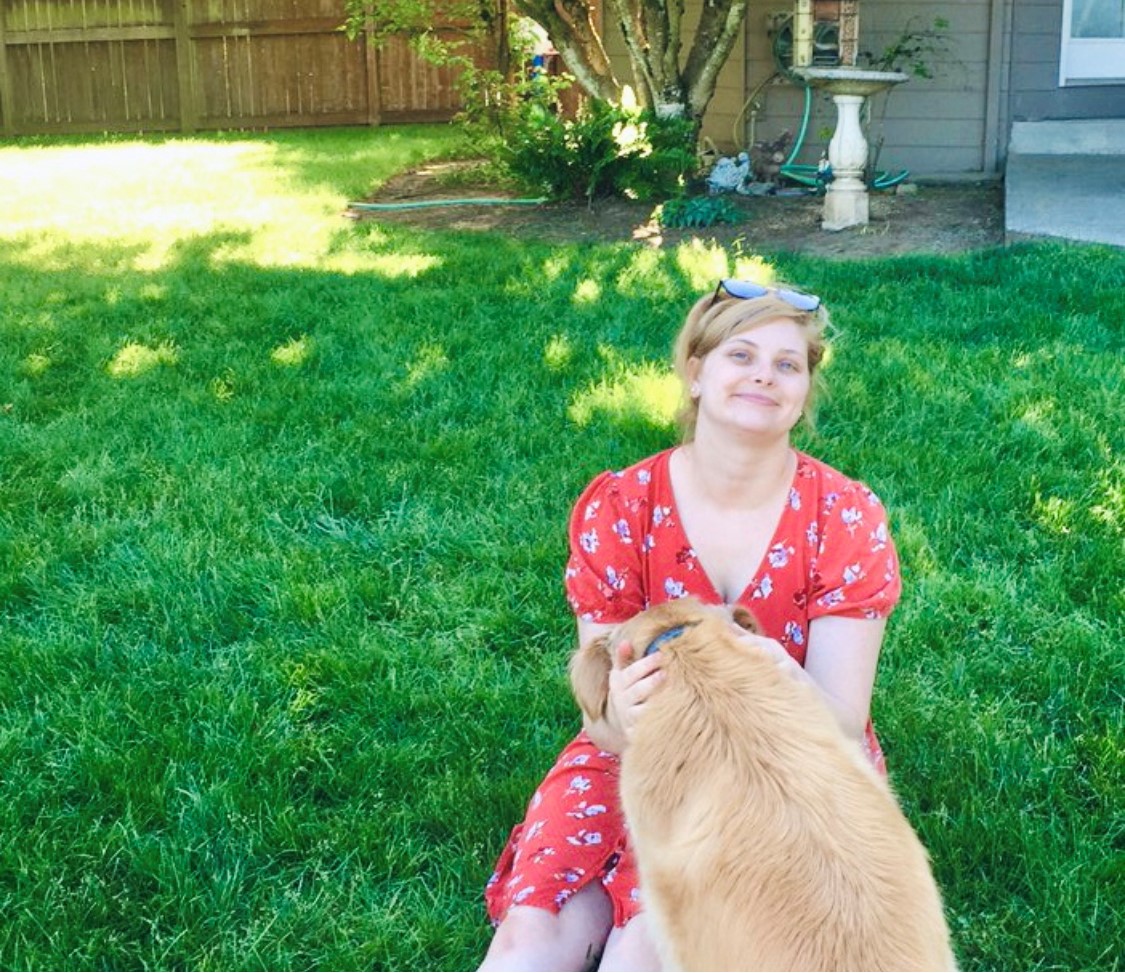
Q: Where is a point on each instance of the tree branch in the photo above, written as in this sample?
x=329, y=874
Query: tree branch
x=570, y=25
x=719, y=28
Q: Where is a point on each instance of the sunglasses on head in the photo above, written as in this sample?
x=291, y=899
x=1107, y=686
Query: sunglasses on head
x=746, y=289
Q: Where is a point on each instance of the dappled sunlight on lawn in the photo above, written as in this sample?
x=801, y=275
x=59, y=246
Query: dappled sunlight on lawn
x=703, y=263
x=153, y=198
x=136, y=359
x=293, y=353
x=647, y=393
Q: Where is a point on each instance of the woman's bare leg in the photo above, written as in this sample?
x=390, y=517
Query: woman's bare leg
x=630, y=947
x=534, y=939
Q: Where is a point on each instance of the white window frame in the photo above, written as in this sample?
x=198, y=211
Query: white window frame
x=1089, y=60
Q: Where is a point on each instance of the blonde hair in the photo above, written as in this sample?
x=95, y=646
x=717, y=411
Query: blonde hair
x=712, y=321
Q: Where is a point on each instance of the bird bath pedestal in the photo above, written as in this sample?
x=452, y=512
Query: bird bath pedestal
x=846, y=203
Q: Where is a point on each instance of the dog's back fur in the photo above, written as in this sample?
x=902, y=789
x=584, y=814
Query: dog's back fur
x=763, y=837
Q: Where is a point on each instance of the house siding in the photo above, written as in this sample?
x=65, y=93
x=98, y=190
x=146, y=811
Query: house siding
x=1035, y=91
x=935, y=127
x=1002, y=66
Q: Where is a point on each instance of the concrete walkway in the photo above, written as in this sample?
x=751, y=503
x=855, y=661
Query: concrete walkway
x=1067, y=179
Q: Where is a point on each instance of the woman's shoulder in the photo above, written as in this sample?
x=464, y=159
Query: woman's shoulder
x=817, y=478
x=635, y=494
x=637, y=480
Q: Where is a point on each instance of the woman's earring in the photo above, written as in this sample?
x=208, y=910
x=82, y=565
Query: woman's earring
x=695, y=390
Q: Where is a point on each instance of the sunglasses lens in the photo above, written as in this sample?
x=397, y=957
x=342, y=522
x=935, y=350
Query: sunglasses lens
x=802, y=302
x=747, y=289
x=743, y=289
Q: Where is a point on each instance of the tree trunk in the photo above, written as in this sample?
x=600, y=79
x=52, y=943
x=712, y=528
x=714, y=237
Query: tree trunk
x=653, y=32
x=719, y=28
x=570, y=25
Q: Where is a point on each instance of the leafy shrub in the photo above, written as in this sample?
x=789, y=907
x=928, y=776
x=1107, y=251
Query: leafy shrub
x=605, y=150
x=697, y=211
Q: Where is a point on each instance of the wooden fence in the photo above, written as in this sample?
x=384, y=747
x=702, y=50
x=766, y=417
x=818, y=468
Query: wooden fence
x=75, y=66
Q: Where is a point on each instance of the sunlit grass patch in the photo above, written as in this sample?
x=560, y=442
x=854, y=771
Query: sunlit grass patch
x=650, y=394
x=293, y=353
x=136, y=359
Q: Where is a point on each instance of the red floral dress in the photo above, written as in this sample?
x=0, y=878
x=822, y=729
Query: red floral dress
x=831, y=554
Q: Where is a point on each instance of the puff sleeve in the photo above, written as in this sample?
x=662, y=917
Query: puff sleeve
x=855, y=570
x=605, y=569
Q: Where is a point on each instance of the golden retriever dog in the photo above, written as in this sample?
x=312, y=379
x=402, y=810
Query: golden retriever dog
x=764, y=839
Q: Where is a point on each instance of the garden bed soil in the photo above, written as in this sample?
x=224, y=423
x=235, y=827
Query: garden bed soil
x=939, y=219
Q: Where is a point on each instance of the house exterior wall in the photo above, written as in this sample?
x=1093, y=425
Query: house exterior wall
x=1002, y=65
x=939, y=127
x=1035, y=92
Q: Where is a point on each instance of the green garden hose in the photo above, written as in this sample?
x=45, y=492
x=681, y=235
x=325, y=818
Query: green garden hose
x=429, y=203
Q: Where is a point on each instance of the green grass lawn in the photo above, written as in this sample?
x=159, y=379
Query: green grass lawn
x=282, y=529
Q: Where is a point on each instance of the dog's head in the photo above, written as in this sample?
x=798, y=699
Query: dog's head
x=657, y=629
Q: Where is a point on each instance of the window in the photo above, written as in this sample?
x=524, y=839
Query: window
x=1093, y=42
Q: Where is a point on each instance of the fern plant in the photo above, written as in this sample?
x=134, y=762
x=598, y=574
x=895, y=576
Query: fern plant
x=697, y=211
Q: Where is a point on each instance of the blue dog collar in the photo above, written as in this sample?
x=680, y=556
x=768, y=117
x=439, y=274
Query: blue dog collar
x=665, y=636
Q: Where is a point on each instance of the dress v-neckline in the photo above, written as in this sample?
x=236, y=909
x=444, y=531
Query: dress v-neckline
x=747, y=593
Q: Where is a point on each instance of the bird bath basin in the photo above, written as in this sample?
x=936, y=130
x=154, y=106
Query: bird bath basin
x=846, y=203
x=851, y=81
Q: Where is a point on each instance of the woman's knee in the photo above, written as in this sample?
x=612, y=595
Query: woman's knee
x=631, y=947
x=530, y=938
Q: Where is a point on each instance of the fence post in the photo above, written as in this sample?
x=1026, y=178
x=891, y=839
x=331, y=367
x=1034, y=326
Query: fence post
x=185, y=68
x=374, y=82
x=7, y=101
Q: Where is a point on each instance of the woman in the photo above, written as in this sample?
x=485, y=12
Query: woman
x=734, y=514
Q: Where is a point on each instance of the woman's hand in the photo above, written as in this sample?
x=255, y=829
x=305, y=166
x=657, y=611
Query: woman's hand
x=630, y=686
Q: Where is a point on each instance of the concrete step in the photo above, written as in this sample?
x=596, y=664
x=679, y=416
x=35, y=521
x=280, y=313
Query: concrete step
x=1066, y=179
x=1079, y=136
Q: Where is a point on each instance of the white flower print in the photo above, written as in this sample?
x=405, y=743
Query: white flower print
x=621, y=529
x=834, y=597
x=614, y=580
x=879, y=538
x=579, y=785
x=535, y=828
x=674, y=588
x=779, y=555
x=853, y=573
x=648, y=543
x=852, y=518
x=578, y=760
x=523, y=894
x=644, y=477
x=584, y=810
x=592, y=510
x=588, y=541
x=830, y=501
x=812, y=534
x=659, y=514
x=794, y=499
x=585, y=838
x=764, y=588
x=794, y=634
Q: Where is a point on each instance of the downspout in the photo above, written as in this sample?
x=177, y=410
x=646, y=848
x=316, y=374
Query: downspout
x=997, y=91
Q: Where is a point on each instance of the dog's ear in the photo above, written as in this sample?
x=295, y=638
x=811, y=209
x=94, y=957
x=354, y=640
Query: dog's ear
x=589, y=676
x=744, y=618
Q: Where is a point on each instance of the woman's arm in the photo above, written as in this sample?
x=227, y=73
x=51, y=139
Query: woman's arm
x=630, y=685
x=842, y=656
